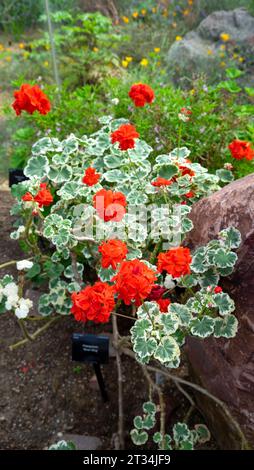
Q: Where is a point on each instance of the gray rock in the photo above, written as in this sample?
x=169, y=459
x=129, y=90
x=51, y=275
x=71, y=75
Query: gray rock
x=226, y=367
x=198, y=52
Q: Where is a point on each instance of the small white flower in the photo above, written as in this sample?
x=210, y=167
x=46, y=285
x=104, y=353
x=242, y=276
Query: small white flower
x=23, y=307
x=10, y=289
x=21, y=229
x=24, y=264
x=169, y=283
x=115, y=101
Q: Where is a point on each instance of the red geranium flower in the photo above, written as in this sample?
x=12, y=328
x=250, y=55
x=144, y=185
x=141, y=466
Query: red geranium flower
x=91, y=177
x=113, y=252
x=93, y=303
x=161, y=182
x=110, y=205
x=190, y=195
x=175, y=261
x=43, y=197
x=185, y=170
x=163, y=304
x=217, y=290
x=134, y=281
x=156, y=292
x=125, y=135
x=30, y=98
x=241, y=149
x=140, y=93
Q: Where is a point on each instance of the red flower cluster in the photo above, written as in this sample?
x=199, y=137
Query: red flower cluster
x=43, y=197
x=93, y=303
x=217, y=290
x=161, y=182
x=140, y=93
x=185, y=170
x=134, y=281
x=241, y=149
x=163, y=304
x=110, y=205
x=113, y=252
x=156, y=292
x=91, y=177
x=190, y=195
x=30, y=98
x=125, y=135
x=175, y=261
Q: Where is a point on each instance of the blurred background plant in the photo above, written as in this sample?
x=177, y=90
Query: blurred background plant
x=102, y=48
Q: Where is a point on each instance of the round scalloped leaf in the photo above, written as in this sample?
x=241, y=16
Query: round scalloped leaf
x=37, y=166
x=46, y=144
x=138, y=422
x=224, y=259
x=199, y=261
x=70, y=145
x=144, y=348
x=186, y=445
x=203, y=433
x=225, y=327
x=139, y=438
x=69, y=190
x=60, y=174
x=226, y=176
x=141, y=327
x=181, y=432
x=113, y=161
x=170, y=321
x=224, y=303
x=182, y=313
x=202, y=328
x=115, y=176
x=157, y=437
x=231, y=236
x=167, y=171
x=149, y=407
x=106, y=275
x=209, y=278
x=148, y=422
x=190, y=280
x=168, y=350
x=180, y=152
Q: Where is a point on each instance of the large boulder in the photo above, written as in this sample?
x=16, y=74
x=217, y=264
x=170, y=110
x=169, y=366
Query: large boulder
x=199, y=51
x=226, y=367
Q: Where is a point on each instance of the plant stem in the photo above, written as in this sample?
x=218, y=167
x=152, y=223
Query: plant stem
x=120, y=383
x=34, y=335
x=9, y=263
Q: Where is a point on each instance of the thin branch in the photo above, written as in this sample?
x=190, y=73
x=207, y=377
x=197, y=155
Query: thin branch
x=174, y=378
x=34, y=335
x=120, y=383
x=77, y=276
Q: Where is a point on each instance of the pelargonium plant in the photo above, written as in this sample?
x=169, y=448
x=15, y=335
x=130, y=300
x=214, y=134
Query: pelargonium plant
x=106, y=204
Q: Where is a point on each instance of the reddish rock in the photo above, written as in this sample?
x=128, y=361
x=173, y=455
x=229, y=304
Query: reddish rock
x=226, y=367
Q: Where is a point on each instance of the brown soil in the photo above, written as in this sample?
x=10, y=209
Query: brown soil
x=44, y=393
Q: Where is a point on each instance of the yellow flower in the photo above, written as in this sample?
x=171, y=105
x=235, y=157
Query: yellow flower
x=186, y=12
x=45, y=63
x=241, y=59
x=223, y=47
x=95, y=49
x=222, y=54
x=235, y=56
x=154, y=10
x=144, y=62
x=209, y=51
x=190, y=2
x=143, y=11
x=159, y=64
x=135, y=14
x=179, y=38
x=174, y=25
x=223, y=64
x=47, y=47
x=125, y=63
x=25, y=54
x=225, y=37
x=8, y=58
x=128, y=58
x=157, y=49
x=1, y=48
x=193, y=91
x=21, y=45
x=165, y=13
x=174, y=13
x=125, y=19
